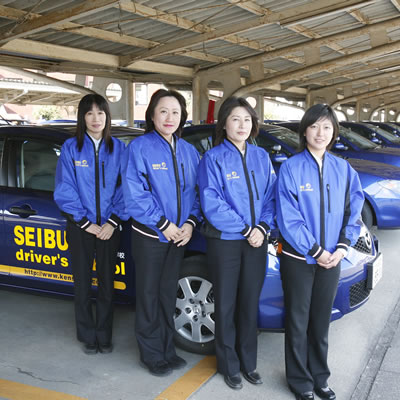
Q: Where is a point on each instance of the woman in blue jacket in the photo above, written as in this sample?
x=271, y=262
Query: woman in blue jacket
x=160, y=195
x=237, y=190
x=88, y=192
x=319, y=200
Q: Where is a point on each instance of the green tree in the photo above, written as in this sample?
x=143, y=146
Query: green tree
x=48, y=113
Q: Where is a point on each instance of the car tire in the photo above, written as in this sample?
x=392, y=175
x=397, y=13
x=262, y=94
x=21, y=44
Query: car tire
x=194, y=314
x=367, y=215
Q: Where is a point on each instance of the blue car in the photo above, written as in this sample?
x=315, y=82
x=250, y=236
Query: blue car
x=391, y=127
x=374, y=133
x=353, y=145
x=380, y=182
x=35, y=253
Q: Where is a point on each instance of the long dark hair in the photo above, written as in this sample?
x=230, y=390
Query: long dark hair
x=155, y=98
x=312, y=115
x=225, y=110
x=85, y=105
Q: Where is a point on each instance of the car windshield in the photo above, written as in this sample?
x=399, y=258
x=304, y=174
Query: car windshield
x=202, y=139
x=357, y=139
x=285, y=135
x=386, y=134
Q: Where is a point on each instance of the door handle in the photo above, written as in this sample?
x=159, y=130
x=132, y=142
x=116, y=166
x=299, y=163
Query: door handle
x=24, y=211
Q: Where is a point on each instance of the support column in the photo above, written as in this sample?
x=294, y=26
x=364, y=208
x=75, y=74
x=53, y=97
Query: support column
x=119, y=109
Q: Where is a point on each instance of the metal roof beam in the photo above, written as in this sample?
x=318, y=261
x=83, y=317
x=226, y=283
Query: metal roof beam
x=323, y=41
x=31, y=26
x=14, y=14
x=33, y=48
x=373, y=93
x=290, y=16
x=323, y=66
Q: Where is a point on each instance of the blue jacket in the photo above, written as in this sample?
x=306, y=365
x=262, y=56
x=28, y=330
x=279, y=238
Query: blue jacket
x=159, y=185
x=88, y=183
x=237, y=193
x=318, y=211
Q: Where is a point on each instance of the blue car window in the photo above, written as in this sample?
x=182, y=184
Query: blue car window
x=36, y=163
x=387, y=135
x=285, y=135
x=201, y=140
x=268, y=144
x=357, y=139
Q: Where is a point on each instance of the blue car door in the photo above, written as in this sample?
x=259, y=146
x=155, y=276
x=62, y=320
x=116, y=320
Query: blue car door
x=35, y=250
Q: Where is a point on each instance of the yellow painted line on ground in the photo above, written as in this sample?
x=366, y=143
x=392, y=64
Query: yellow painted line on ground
x=187, y=384
x=18, y=391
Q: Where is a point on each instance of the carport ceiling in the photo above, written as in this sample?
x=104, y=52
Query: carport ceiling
x=351, y=46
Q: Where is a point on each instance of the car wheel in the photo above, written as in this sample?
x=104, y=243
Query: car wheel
x=194, y=314
x=367, y=216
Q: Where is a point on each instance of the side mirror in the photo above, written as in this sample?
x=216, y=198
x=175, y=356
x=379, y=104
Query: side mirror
x=339, y=146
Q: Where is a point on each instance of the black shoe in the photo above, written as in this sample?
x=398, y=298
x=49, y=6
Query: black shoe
x=89, y=348
x=176, y=362
x=253, y=377
x=106, y=348
x=234, y=381
x=304, y=396
x=325, y=393
x=159, y=368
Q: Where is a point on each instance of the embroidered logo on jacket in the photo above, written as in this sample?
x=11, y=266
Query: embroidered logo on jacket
x=306, y=188
x=82, y=163
x=232, y=175
x=162, y=166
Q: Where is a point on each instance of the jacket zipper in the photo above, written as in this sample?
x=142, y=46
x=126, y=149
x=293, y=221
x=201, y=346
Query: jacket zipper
x=178, y=186
x=183, y=175
x=97, y=178
x=329, y=197
x=104, y=178
x=322, y=205
x=249, y=189
x=255, y=184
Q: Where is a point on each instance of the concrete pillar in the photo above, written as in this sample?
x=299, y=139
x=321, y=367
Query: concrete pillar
x=119, y=109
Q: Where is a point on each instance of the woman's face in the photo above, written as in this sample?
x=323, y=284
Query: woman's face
x=167, y=116
x=95, y=121
x=319, y=135
x=238, y=126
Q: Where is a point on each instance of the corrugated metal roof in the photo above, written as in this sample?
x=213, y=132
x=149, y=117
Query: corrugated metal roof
x=171, y=33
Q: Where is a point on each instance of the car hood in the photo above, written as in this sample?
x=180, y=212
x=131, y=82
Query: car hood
x=385, y=171
x=386, y=150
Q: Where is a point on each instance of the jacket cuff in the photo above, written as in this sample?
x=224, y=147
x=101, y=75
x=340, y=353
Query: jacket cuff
x=246, y=231
x=316, y=251
x=264, y=228
x=192, y=220
x=343, y=240
x=114, y=221
x=342, y=246
x=84, y=223
x=163, y=224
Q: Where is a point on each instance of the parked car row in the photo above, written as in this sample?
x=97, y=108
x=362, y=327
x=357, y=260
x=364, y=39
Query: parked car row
x=35, y=252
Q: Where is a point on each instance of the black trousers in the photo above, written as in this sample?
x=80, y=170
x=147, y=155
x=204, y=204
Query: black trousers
x=157, y=267
x=84, y=248
x=309, y=292
x=238, y=271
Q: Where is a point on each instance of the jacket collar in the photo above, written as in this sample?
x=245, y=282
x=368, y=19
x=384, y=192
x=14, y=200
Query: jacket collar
x=233, y=148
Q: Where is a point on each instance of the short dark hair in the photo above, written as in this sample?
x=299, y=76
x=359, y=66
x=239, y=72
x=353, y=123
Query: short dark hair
x=225, y=110
x=155, y=98
x=312, y=115
x=85, y=105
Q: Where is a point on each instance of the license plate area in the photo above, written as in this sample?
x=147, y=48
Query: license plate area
x=375, y=269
